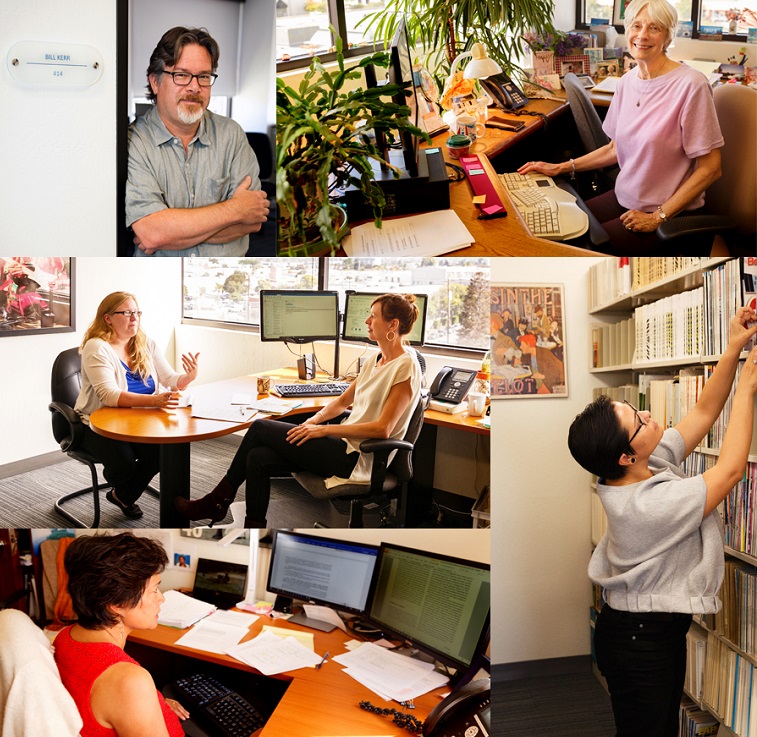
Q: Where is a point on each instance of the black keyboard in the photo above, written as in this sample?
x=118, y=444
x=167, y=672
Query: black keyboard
x=333, y=389
x=229, y=713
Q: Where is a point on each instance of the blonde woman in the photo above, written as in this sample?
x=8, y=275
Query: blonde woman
x=122, y=367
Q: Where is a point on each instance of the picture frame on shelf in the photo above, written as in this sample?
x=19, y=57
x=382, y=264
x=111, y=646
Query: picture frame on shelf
x=577, y=64
x=527, y=333
x=37, y=295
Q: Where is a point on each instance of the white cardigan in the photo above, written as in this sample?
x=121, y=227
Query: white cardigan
x=103, y=376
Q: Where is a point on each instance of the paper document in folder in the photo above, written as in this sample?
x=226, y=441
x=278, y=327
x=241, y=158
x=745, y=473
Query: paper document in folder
x=429, y=234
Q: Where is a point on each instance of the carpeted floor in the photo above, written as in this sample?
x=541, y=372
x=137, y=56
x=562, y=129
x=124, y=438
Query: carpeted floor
x=572, y=705
x=26, y=500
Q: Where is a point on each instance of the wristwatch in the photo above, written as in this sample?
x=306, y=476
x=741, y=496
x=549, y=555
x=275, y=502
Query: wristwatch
x=662, y=213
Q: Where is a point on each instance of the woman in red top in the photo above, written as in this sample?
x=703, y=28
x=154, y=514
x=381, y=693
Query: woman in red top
x=113, y=583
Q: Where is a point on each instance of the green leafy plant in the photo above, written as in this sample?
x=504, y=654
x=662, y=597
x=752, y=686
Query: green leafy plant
x=446, y=28
x=325, y=142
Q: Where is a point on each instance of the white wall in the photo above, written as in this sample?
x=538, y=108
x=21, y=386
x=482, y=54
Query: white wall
x=540, y=496
x=58, y=144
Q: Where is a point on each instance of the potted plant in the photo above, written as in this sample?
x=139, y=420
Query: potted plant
x=324, y=143
x=552, y=47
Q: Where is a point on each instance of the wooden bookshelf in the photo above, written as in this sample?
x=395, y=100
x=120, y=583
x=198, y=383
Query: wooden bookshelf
x=684, y=280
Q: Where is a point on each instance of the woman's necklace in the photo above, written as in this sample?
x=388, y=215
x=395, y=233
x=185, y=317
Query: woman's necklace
x=114, y=637
x=647, y=87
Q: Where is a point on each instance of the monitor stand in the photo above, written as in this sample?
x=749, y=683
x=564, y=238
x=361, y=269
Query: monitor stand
x=317, y=624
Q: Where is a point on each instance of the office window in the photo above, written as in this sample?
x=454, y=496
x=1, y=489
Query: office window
x=302, y=27
x=588, y=9
x=224, y=291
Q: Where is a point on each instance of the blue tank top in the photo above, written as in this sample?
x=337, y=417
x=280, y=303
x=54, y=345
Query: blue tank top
x=135, y=383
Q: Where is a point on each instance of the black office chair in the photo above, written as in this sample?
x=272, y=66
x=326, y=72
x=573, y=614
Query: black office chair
x=387, y=481
x=263, y=243
x=68, y=430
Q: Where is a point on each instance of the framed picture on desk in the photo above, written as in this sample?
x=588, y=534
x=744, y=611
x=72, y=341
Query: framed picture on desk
x=528, y=341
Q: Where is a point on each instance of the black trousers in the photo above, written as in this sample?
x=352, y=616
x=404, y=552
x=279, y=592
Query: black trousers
x=265, y=454
x=643, y=658
x=608, y=210
x=127, y=467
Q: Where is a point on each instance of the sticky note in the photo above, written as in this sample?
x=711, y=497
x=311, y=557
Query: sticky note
x=471, y=172
x=479, y=199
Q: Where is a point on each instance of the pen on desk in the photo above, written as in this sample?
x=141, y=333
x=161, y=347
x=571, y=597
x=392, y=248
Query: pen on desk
x=323, y=659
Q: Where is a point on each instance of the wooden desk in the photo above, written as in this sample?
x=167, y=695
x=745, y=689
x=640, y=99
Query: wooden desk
x=173, y=430
x=317, y=703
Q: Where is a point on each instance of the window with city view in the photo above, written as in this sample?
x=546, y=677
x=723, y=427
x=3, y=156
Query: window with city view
x=225, y=291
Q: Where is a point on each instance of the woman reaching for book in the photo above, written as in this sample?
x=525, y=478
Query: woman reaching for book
x=662, y=557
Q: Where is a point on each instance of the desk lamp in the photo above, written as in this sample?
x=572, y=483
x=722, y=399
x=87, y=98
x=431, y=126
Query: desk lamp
x=480, y=68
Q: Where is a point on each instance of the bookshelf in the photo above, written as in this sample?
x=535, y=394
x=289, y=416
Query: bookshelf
x=662, y=325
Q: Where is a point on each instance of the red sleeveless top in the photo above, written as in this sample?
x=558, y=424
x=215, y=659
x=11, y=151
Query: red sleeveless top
x=80, y=664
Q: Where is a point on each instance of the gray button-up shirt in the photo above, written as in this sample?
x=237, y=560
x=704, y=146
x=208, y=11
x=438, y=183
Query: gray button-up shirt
x=162, y=175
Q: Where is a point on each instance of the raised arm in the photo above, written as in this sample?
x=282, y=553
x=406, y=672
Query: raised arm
x=734, y=452
x=697, y=423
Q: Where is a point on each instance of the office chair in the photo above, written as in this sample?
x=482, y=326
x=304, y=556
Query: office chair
x=730, y=207
x=263, y=243
x=68, y=430
x=387, y=482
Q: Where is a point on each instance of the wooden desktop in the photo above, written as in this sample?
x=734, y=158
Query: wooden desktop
x=320, y=702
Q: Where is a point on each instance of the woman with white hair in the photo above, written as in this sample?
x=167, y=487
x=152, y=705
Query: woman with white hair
x=664, y=136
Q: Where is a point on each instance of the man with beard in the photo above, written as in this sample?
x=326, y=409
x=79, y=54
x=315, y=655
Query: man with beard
x=193, y=185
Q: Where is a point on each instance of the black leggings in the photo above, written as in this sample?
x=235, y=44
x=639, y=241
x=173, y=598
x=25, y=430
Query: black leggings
x=127, y=467
x=643, y=658
x=608, y=210
x=265, y=453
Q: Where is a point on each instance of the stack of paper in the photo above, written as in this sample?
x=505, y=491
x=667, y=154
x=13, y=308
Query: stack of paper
x=272, y=654
x=274, y=406
x=429, y=234
x=390, y=675
x=182, y=611
x=227, y=412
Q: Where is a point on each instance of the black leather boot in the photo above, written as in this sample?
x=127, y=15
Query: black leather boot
x=213, y=506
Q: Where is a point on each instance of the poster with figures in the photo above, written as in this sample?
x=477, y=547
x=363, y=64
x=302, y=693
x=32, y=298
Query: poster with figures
x=527, y=336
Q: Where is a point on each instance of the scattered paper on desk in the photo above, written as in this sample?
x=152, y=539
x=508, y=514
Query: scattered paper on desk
x=232, y=618
x=226, y=412
x=384, y=667
x=429, y=234
x=324, y=614
x=213, y=637
x=273, y=406
x=182, y=611
x=424, y=684
x=259, y=607
x=271, y=654
x=305, y=638
x=240, y=398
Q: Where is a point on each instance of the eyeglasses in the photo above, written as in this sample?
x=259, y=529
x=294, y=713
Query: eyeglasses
x=638, y=417
x=182, y=79
x=128, y=313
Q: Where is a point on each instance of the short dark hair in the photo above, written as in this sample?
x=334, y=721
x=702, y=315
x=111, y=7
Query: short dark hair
x=169, y=49
x=105, y=571
x=399, y=306
x=596, y=440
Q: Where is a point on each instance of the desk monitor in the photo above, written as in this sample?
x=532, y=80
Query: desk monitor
x=357, y=307
x=320, y=570
x=298, y=316
x=438, y=603
x=220, y=582
x=401, y=72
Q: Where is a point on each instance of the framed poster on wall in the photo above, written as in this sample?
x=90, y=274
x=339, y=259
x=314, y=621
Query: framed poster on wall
x=527, y=336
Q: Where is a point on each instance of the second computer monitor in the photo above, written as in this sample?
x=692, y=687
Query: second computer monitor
x=439, y=603
x=357, y=307
x=298, y=316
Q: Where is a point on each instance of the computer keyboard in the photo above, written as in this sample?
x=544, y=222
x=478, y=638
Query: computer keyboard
x=548, y=211
x=332, y=389
x=229, y=713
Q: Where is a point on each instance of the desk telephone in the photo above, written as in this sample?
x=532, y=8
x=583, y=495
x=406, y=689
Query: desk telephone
x=504, y=92
x=452, y=384
x=464, y=713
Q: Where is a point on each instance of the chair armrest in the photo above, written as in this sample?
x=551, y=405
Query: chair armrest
x=67, y=426
x=695, y=225
x=597, y=234
x=376, y=445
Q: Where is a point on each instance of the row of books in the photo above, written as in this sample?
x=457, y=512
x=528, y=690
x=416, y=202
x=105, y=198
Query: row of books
x=670, y=329
x=616, y=277
x=695, y=721
x=722, y=298
x=730, y=687
x=598, y=519
x=613, y=343
x=738, y=513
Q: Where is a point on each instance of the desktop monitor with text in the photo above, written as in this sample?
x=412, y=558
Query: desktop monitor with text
x=321, y=570
x=298, y=316
x=438, y=603
x=357, y=307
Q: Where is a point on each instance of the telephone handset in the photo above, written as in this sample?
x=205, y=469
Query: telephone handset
x=504, y=91
x=452, y=384
x=464, y=713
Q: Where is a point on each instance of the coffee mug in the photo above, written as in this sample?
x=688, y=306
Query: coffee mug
x=264, y=384
x=476, y=404
x=469, y=126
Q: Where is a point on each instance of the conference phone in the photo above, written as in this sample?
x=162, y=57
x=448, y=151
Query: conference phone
x=466, y=712
x=548, y=211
